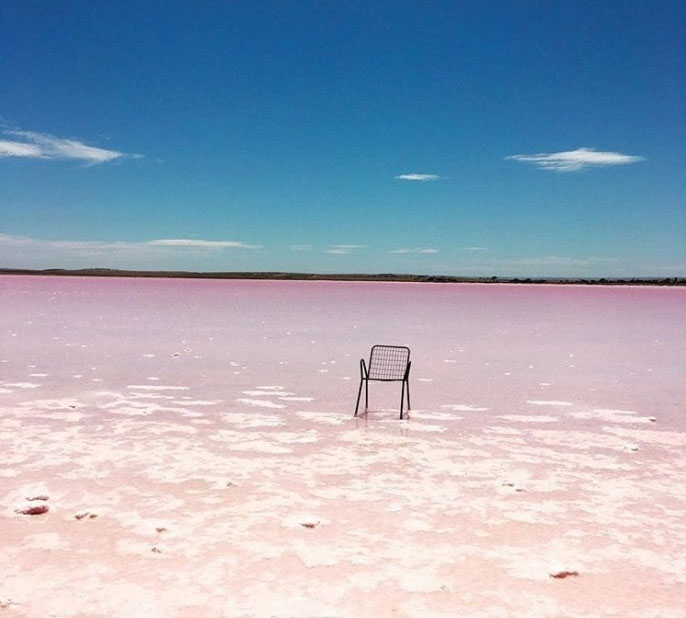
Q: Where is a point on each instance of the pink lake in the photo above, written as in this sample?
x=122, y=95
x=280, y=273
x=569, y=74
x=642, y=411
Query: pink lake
x=194, y=443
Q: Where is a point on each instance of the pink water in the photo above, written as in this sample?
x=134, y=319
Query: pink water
x=207, y=427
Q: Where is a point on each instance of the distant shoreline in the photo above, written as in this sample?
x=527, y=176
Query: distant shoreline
x=295, y=276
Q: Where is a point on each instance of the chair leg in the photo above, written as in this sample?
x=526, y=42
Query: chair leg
x=407, y=386
x=359, y=394
x=402, y=400
x=366, y=395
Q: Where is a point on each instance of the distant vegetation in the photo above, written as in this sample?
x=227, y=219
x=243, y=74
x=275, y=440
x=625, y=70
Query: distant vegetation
x=109, y=272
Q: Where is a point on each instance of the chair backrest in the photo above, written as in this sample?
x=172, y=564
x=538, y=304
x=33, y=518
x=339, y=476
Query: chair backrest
x=388, y=362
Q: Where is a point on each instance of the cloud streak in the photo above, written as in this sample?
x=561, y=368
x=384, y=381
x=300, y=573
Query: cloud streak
x=32, y=145
x=103, y=248
x=418, y=177
x=200, y=244
x=575, y=160
x=419, y=251
x=342, y=249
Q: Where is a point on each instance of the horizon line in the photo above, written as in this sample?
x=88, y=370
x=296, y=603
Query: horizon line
x=387, y=277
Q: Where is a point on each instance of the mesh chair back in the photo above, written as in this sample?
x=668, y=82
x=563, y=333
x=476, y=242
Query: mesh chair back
x=388, y=362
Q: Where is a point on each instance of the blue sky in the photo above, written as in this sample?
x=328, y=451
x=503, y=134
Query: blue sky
x=467, y=138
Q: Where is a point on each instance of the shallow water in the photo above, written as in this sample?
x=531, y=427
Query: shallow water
x=207, y=427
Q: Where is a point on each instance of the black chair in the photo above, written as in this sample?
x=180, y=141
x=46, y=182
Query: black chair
x=387, y=363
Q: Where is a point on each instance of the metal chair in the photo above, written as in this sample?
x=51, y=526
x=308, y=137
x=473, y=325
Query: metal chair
x=387, y=363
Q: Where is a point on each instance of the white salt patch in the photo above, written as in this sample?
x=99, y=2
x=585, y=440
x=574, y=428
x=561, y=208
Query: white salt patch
x=264, y=393
x=38, y=375
x=417, y=525
x=197, y=402
x=529, y=418
x=252, y=419
x=542, y=402
x=614, y=416
x=424, y=380
x=458, y=407
x=257, y=446
x=261, y=403
x=613, y=411
x=449, y=360
x=46, y=541
x=153, y=379
x=419, y=580
x=148, y=355
x=508, y=431
x=150, y=387
x=4, y=391
x=298, y=398
x=290, y=437
x=69, y=417
x=326, y=418
x=22, y=385
x=664, y=438
x=269, y=388
x=316, y=555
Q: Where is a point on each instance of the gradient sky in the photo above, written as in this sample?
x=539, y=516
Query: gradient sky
x=470, y=138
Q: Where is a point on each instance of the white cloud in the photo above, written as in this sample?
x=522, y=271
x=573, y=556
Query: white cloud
x=419, y=177
x=342, y=249
x=43, y=146
x=19, y=149
x=473, y=249
x=575, y=160
x=24, y=252
x=421, y=251
x=202, y=244
x=300, y=247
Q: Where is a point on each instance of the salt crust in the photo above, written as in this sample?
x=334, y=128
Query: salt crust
x=260, y=403
x=523, y=418
x=411, y=522
x=459, y=407
x=156, y=387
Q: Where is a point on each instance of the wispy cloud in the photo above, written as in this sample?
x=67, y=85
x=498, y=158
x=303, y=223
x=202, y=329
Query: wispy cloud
x=34, y=145
x=575, y=160
x=472, y=249
x=200, y=244
x=420, y=251
x=300, y=247
x=342, y=249
x=24, y=252
x=418, y=177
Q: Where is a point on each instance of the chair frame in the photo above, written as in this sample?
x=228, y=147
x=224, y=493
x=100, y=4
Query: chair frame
x=365, y=377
